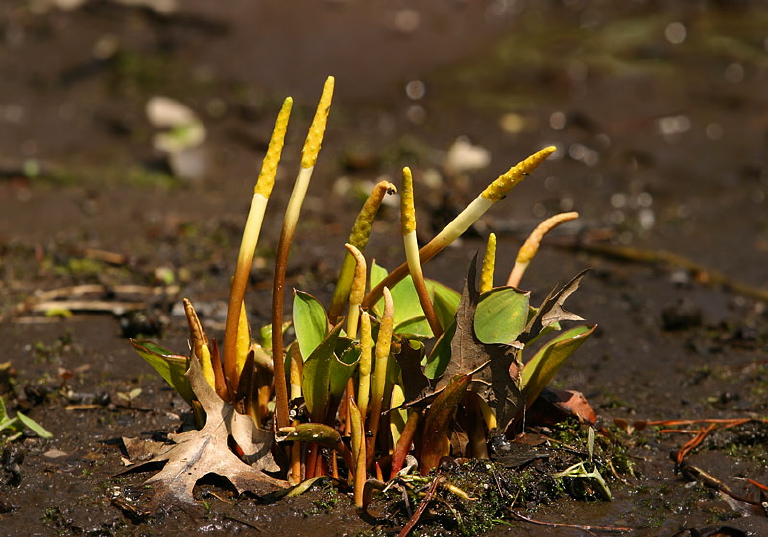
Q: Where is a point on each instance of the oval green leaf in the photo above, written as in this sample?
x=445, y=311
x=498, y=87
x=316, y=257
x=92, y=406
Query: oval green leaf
x=501, y=315
x=309, y=321
x=541, y=369
x=170, y=365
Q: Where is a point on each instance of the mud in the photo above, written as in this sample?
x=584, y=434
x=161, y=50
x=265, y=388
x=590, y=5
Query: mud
x=658, y=111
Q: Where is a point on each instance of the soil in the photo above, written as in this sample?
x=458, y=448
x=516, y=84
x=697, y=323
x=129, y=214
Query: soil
x=658, y=111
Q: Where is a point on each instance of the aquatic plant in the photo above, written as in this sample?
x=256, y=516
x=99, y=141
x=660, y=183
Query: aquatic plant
x=396, y=366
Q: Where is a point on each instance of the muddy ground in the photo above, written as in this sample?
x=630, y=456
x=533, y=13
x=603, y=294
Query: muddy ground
x=658, y=110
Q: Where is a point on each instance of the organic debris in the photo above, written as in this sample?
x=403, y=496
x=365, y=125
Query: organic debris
x=195, y=454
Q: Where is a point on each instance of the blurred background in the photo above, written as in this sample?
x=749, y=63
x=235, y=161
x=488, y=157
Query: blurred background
x=157, y=114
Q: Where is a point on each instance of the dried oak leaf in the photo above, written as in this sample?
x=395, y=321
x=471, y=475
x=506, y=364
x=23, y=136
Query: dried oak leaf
x=415, y=383
x=495, y=367
x=196, y=454
x=551, y=310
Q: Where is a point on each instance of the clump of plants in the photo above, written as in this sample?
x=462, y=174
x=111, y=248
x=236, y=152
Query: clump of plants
x=394, y=374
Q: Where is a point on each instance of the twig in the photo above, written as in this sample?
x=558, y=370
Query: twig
x=422, y=506
x=704, y=274
x=585, y=527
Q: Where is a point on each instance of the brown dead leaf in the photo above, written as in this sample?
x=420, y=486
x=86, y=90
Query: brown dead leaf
x=198, y=453
x=415, y=382
x=554, y=406
x=494, y=366
x=551, y=310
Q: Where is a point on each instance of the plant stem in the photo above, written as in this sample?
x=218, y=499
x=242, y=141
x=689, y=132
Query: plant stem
x=493, y=193
x=358, y=452
x=379, y=377
x=310, y=151
x=261, y=193
x=364, y=366
x=531, y=245
x=408, y=229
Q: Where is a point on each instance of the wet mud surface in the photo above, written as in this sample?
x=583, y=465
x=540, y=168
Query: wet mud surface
x=660, y=117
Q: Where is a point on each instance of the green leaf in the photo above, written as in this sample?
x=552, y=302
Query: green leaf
x=445, y=301
x=309, y=321
x=409, y=316
x=417, y=327
x=316, y=376
x=3, y=413
x=407, y=305
x=539, y=370
x=342, y=366
x=18, y=423
x=32, y=425
x=311, y=432
x=171, y=366
x=501, y=315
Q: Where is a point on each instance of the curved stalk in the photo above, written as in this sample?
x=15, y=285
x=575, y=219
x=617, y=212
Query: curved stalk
x=364, y=366
x=310, y=151
x=531, y=245
x=408, y=229
x=378, y=382
x=261, y=193
x=357, y=291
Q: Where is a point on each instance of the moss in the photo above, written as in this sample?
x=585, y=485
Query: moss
x=329, y=498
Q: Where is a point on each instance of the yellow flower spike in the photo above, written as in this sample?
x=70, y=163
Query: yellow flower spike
x=407, y=204
x=266, y=180
x=408, y=229
x=317, y=130
x=364, y=366
x=471, y=213
x=261, y=193
x=361, y=229
x=357, y=292
x=506, y=182
x=358, y=237
x=290, y=220
x=489, y=263
x=531, y=246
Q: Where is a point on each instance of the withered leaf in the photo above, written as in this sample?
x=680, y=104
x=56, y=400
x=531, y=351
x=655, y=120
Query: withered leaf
x=495, y=367
x=468, y=355
x=551, y=310
x=198, y=453
x=554, y=406
x=415, y=382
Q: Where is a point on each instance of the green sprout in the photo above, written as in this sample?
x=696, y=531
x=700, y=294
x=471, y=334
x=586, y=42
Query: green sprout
x=15, y=427
x=579, y=470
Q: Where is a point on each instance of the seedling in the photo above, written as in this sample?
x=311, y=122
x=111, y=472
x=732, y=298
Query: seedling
x=579, y=470
x=410, y=368
x=14, y=427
